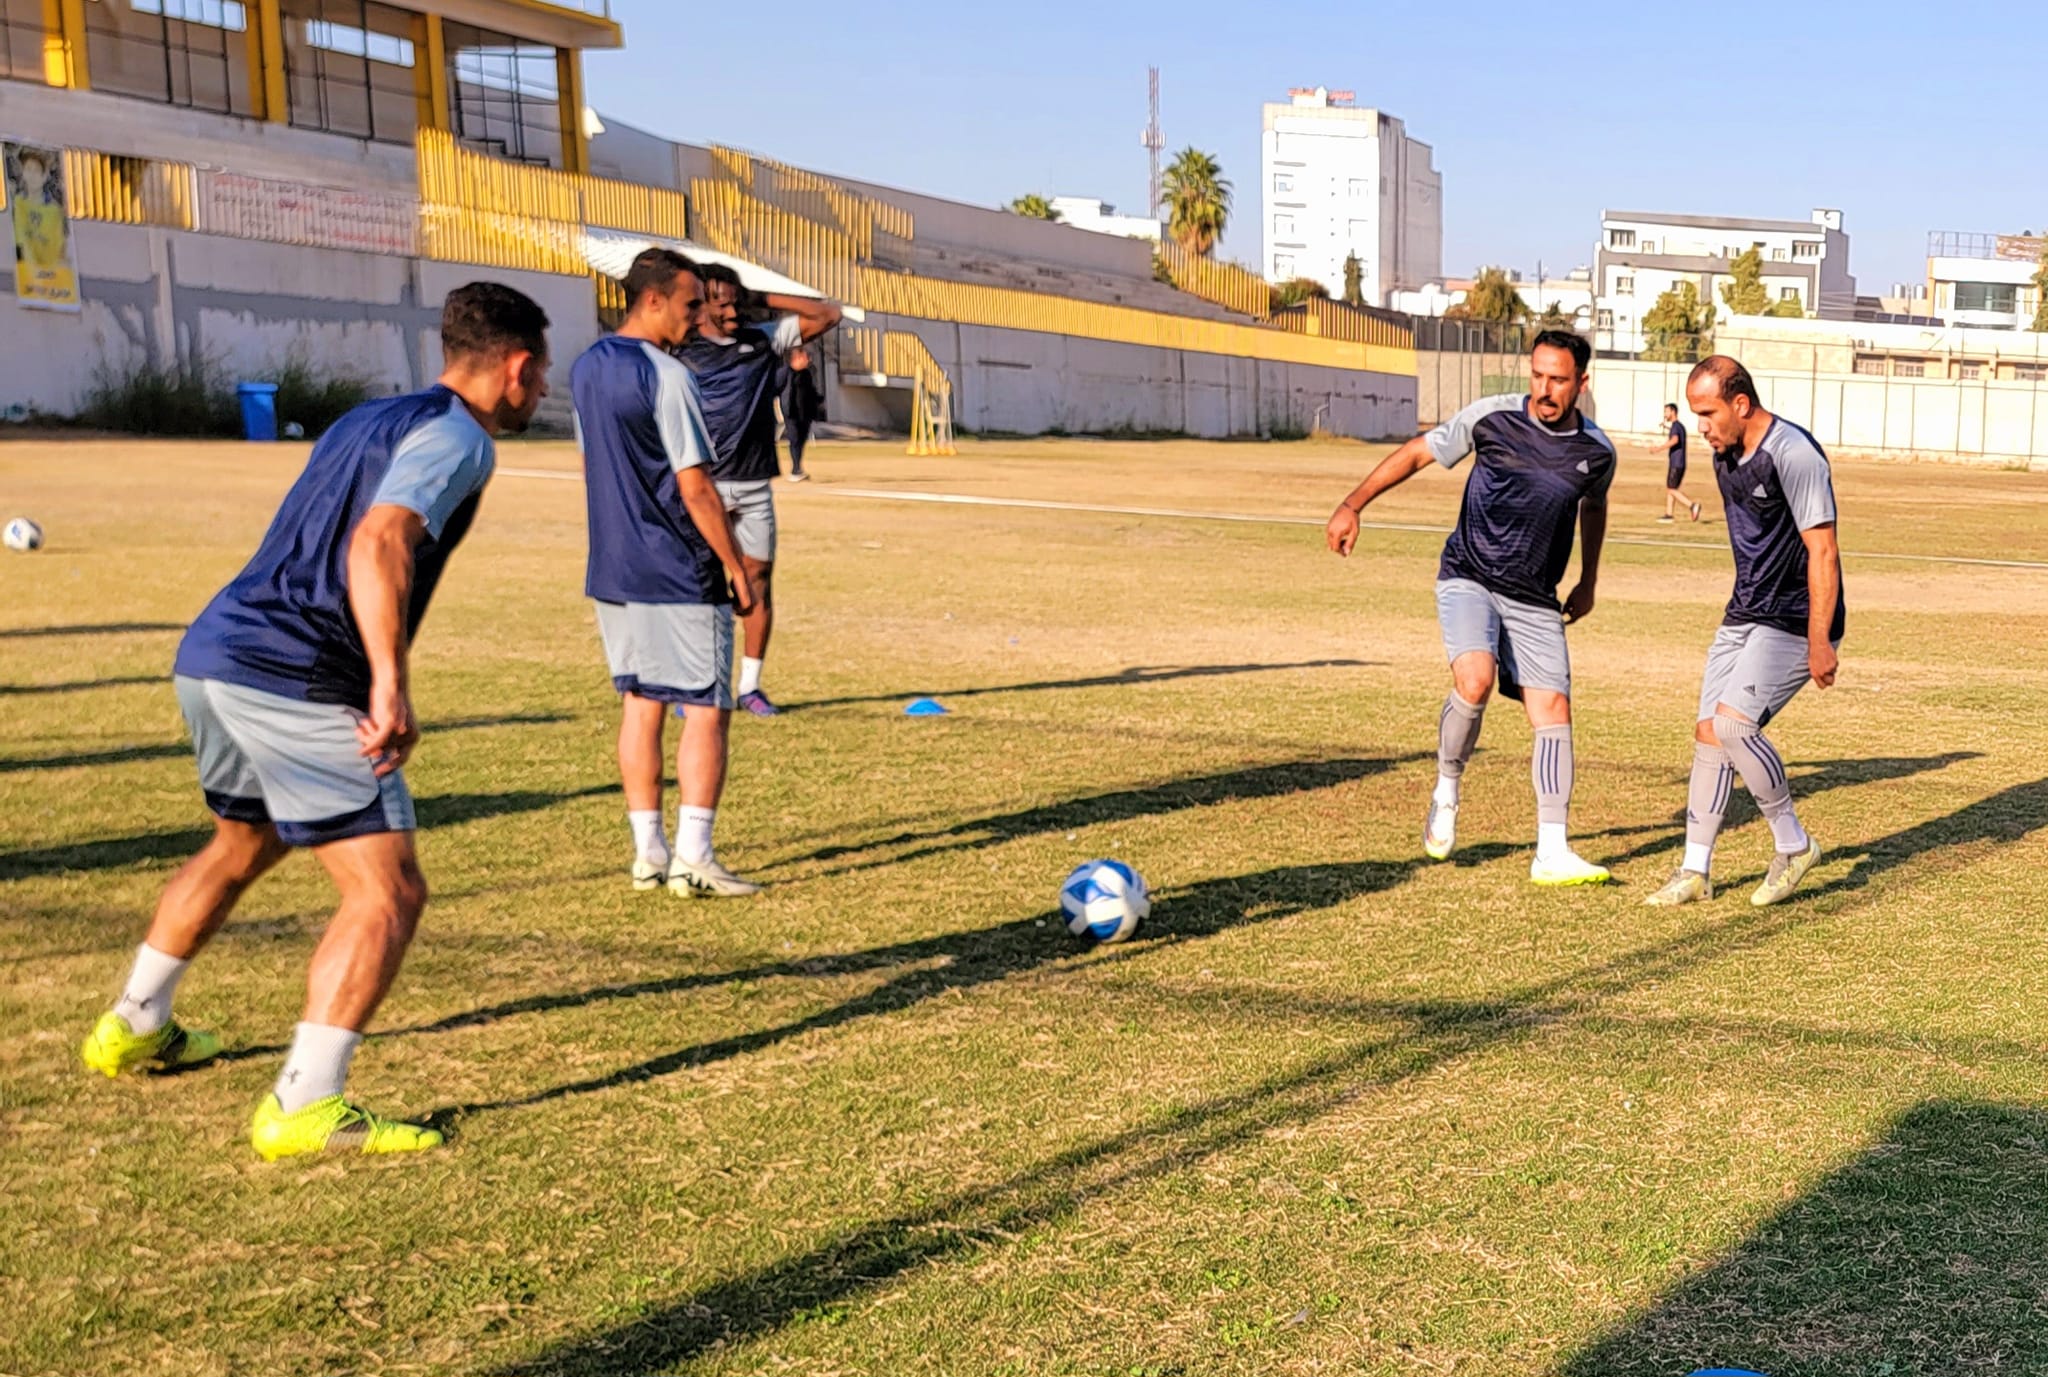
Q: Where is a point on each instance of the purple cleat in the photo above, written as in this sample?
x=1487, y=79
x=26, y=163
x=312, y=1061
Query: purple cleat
x=757, y=703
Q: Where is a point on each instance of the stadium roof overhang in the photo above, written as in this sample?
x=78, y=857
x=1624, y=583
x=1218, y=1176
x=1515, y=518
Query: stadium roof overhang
x=574, y=26
x=611, y=252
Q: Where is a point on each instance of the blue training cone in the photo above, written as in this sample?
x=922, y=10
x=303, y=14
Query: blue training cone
x=926, y=707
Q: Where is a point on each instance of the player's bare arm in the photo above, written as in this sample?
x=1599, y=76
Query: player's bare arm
x=380, y=569
x=1397, y=468
x=1592, y=536
x=707, y=510
x=1824, y=592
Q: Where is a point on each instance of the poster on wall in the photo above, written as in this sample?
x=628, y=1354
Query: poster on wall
x=45, y=267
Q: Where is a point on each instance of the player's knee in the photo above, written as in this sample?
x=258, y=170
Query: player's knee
x=1703, y=732
x=1474, y=685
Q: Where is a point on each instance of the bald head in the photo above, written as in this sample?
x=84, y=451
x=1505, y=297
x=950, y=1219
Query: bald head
x=1723, y=396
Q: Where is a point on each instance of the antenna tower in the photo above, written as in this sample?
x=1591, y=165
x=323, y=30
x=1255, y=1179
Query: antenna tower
x=1155, y=144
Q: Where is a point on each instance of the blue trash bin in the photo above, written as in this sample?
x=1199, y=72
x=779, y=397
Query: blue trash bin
x=259, y=410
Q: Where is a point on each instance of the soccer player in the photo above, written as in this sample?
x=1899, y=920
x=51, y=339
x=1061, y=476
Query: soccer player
x=739, y=370
x=1673, y=443
x=1783, y=624
x=662, y=553
x=1541, y=464
x=294, y=683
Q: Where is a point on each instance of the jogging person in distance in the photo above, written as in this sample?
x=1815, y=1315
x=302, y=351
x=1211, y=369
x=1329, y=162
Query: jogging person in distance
x=803, y=406
x=1541, y=466
x=740, y=370
x=294, y=682
x=1783, y=625
x=1673, y=445
x=664, y=571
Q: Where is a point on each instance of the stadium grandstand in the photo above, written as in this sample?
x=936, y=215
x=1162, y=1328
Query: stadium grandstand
x=314, y=175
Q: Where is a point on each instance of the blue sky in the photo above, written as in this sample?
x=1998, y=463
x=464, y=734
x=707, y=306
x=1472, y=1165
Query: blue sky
x=1908, y=117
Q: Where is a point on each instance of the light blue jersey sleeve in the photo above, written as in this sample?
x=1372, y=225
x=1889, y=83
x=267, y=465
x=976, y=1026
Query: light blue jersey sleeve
x=787, y=334
x=678, y=413
x=1451, y=442
x=1605, y=479
x=438, y=466
x=1804, y=475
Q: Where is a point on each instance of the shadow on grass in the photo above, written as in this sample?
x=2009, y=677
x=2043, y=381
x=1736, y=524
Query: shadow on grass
x=79, y=685
x=166, y=750
x=100, y=629
x=1136, y=674
x=1928, y=1253
x=1121, y=805
x=1425, y=1034
x=177, y=844
x=2009, y=815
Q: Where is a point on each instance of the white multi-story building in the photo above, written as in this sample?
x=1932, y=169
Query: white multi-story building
x=1643, y=254
x=1983, y=280
x=1100, y=217
x=1337, y=180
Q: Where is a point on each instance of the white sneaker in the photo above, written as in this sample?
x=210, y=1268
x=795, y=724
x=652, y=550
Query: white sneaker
x=707, y=879
x=1440, y=830
x=649, y=874
x=1568, y=868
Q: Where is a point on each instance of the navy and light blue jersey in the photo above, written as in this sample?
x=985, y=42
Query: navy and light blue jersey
x=1676, y=454
x=284, y=624
x=1772, y=494
x=737, y=380
x=639, y=425
x=1515, y=528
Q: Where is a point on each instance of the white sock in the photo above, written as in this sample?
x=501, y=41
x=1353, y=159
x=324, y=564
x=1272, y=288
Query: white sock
x=1790, y=836
x=1698, y=857
x=1551, y=842
x=693, y=832
x=650, y=843
x=750, y=675
x=1446, y=792
x=317, y=1065
x=146, y=999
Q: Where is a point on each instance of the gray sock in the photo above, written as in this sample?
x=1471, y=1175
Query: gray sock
x=1706, y=799
x=1550, y=769
x=1764, y=772
x=1457, y=733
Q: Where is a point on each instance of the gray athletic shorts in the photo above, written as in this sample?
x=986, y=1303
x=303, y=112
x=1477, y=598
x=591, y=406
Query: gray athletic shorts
x=678, y=653
x=1526, y=641
x=1753, y=669
x=752, y=507
x=265, y=758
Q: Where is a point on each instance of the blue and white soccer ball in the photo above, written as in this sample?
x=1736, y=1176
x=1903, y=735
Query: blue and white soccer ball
x=23, y=535
x=1104, y=901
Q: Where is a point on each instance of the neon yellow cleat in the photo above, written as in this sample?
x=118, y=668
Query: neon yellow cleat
x=1440, y=830
x=1684, y=887
x=1567, y=869
x=113, y=1047
x=1787, y=870
x=332, y=1125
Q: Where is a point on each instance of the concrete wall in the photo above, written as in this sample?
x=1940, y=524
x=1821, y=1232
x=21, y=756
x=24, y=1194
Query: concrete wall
x=1029, y=383
x=160, y=295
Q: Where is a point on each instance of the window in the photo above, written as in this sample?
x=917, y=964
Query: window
x=1621, y=239
x=1870, y=365
x=502, y=94
x=1788, y=294
x=2030, y=372
x=1909, y=368
x=1360, y=188
x=1777, y=255
x=2002, y=297
x=1649, y=246
x=1604, y=320
x=21, y=39
x=192, y=53
x=1359, y=231
x=1283, y=182
x=1969, y=372
x=1625, y=285
x=348, y=68
x=1283, y=225
x=1805, y=248
x=1283, y=266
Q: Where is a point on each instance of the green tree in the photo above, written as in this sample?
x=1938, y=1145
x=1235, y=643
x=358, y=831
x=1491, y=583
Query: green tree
x=1197, y=197
x=1354, y=280
x=1678, y=325
x=1032, y=206
x=1493, y=298
x=1296, y=290
x=1553, y=318
x=2041, y=295
x=1788, y=307
x=1744, y=292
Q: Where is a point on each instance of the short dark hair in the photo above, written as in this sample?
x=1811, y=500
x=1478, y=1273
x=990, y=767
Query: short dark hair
x=653, y=270
x=488, y=320
x=1570, y=341
x=721, y=272
x=1732, y=378
x=1671, y=406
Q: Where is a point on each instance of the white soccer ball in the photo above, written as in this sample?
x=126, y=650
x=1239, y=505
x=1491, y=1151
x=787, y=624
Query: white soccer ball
x=1104, y=901
x=23, y=535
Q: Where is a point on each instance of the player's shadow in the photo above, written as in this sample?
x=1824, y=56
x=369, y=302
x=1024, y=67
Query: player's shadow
x=178, y=844
x=100, y=629
x=1136, y=674
x=1927, y=1253
x=1119, y=805
x=168, y=750
x=2012, y=814
x=1398, y=1040
x=78, y=685
x=953, y=962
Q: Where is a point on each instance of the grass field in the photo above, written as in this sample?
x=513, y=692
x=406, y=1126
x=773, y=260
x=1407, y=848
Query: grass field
x=1336, y=1109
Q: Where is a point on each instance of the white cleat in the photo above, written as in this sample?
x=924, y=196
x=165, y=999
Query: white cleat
x=1567, y=869
x=707, y=880
x=1440, y=830
x=648, y=875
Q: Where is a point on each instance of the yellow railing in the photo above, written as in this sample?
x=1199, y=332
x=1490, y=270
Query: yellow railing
x=1335, y=320
x=731, y=220
x=814, y=197
x=1225, y=284
x=902, y=354
x=128, y=191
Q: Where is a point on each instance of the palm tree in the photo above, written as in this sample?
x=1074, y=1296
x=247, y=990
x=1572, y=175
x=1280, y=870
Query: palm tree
x=1197, y=200
x=1032, y=206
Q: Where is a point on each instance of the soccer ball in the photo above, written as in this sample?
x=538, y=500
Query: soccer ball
x=24, y=535
x=1104, y=901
